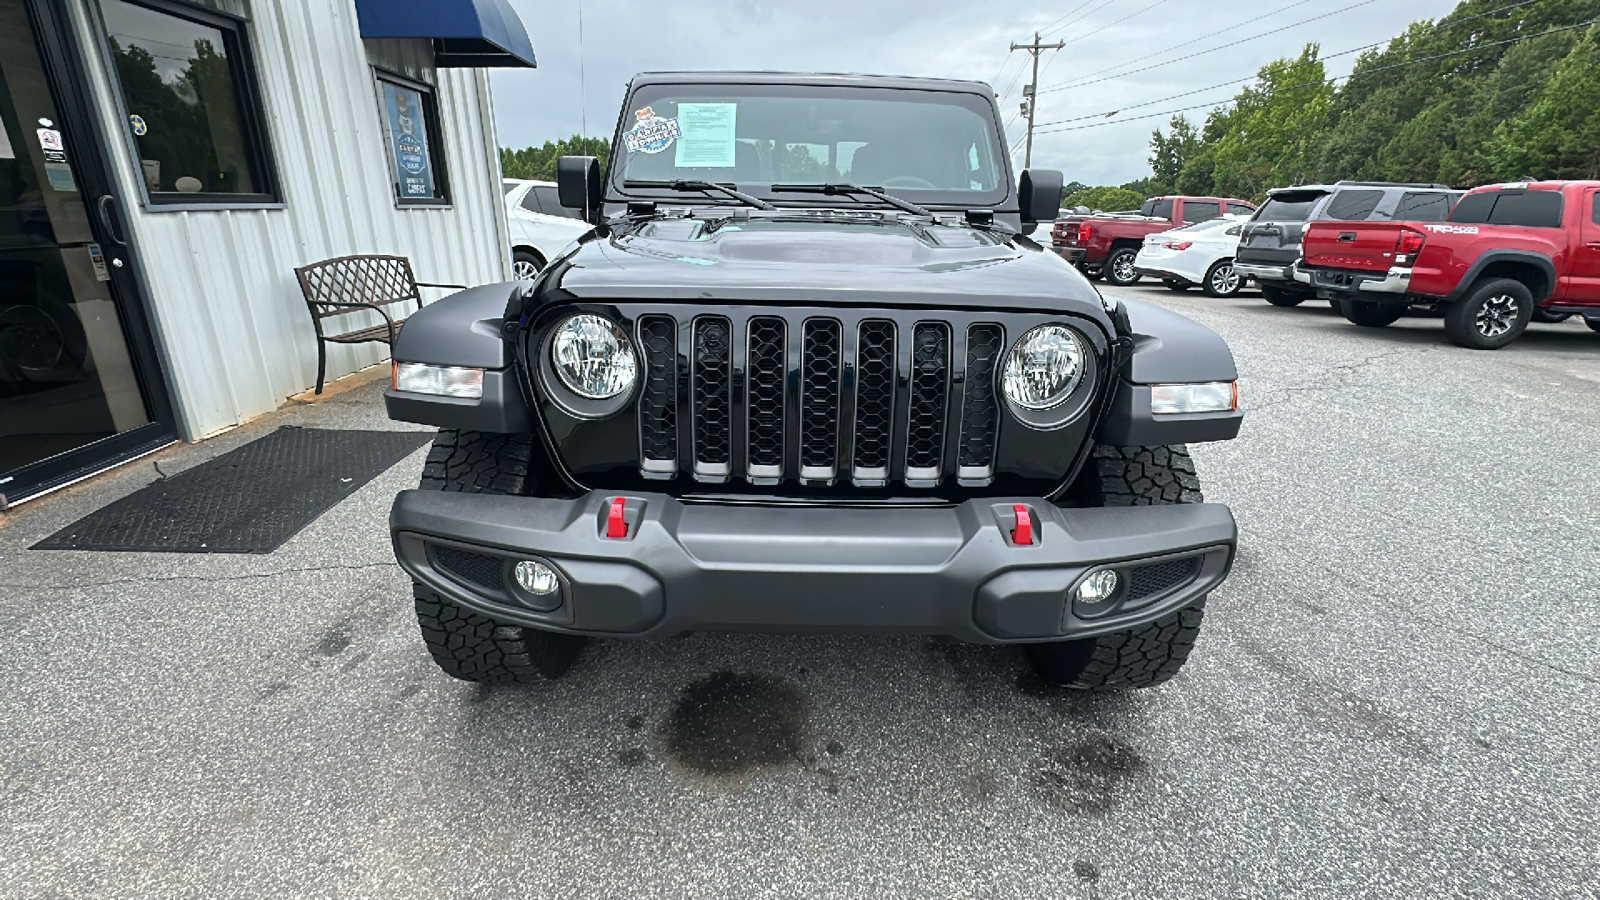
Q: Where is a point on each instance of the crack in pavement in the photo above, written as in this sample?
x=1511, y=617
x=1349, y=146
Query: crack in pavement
x=1285, y=394
x=219, y=578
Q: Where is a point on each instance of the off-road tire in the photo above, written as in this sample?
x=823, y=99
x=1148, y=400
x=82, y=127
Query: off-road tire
x=1465, y=320
x=1149, y=654
x=1281, y=297
x=1368, y=314
x=1108, y=269
x=467, y=644
x=1214, y=282
x=1137, y=658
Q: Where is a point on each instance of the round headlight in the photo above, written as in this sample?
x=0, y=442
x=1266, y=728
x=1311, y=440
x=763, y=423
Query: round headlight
x=593, y=358
x=1044, y=367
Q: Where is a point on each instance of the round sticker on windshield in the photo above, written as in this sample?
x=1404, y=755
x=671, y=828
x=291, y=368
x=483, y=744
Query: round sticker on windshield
x=652, y=133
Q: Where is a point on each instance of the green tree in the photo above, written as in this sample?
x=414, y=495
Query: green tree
x=1271, y=134
x=539, y=163
x=1104, y=198
x=1558, y=135
x=1169, y=152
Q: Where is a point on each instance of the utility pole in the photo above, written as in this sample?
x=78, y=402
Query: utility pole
x=1030, y=93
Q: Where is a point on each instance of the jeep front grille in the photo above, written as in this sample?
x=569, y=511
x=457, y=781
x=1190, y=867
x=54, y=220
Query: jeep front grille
x=819, y=399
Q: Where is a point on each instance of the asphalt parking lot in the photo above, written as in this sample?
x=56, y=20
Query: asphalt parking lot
x=1396, y=694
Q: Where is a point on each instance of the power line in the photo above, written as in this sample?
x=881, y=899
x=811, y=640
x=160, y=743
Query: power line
x=1291, y=87
x=1052, y=26
x=1062, y=87
x=1104, y=115
x=1121, y=20
x=1192, y=41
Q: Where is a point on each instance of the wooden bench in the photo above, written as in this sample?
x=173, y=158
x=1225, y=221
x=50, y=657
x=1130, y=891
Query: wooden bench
x=348, y=284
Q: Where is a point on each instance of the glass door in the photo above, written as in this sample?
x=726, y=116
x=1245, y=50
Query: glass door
x=75, y=392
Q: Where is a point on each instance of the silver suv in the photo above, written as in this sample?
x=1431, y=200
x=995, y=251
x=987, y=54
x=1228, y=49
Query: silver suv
x=1270, y=245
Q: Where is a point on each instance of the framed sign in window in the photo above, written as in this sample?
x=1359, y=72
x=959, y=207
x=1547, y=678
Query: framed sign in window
x=415, y=158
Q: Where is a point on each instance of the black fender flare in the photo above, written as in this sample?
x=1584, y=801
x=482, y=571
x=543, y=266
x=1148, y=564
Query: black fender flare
x=1167, y=348
x=1526, y=257
x=465, y=329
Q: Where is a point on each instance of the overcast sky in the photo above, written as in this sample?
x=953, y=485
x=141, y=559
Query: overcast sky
x=939, y=38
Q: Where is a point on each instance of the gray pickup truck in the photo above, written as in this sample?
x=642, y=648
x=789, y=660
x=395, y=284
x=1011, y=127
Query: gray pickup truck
x=808, y=373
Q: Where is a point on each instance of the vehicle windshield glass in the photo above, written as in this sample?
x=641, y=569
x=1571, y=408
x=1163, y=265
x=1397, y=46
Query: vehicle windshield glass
x=1288, y=207
x=926, y=146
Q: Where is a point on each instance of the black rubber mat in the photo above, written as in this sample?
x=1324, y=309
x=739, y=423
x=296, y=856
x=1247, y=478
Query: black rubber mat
x=248, y=500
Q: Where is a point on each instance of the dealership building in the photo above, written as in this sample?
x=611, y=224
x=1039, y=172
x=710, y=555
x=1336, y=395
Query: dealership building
x=166, y=165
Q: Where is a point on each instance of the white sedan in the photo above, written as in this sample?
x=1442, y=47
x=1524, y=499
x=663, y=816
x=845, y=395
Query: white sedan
x=1199, y=254
x=540, y=226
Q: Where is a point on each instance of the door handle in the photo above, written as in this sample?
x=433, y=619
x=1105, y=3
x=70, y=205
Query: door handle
x=104, y=206
x=1594, y=245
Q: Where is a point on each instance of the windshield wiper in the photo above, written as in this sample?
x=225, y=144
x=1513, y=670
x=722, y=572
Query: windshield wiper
x=682, y=185
x=838, y=188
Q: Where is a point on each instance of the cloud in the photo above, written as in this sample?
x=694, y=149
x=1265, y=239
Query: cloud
x=936, y=38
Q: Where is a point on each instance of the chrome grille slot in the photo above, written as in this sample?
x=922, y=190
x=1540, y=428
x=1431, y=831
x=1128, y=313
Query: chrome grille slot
x=767, y=361
x=874, y=402
x=658, y=399
x=819, y=400
x=712, y=380
x=930, y=388
x=980, y=413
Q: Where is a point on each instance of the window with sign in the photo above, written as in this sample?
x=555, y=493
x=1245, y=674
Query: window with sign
x=191, y=105
x=413, y=153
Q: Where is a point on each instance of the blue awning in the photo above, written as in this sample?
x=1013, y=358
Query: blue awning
x=465, y=33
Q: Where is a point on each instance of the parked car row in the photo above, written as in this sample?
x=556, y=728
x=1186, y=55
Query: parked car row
x=1489, y=260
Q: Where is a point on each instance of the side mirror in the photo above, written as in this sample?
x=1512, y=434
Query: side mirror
x=1039, y=197
x=578, y=185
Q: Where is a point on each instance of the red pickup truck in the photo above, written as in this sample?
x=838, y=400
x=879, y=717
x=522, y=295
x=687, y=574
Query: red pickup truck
x=1106, y=244
x=1507, y=255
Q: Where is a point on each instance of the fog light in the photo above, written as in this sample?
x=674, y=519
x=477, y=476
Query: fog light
x=1098, y=588
x=537, y=578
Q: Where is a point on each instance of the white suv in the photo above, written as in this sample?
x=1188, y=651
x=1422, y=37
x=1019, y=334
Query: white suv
x=540, y=226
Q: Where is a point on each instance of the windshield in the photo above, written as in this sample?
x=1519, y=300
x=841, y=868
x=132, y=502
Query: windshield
x=926, y=146
x=1288, y=207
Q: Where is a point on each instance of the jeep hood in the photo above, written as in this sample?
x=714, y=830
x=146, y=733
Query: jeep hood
x=859, y=258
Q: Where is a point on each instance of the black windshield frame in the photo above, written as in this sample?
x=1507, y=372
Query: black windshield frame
x=1003, y=199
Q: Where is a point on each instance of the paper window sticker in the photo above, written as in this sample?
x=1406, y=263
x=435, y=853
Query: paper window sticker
x=60, y=176
x=50, y=139
x=651, y=133
x=707, y=140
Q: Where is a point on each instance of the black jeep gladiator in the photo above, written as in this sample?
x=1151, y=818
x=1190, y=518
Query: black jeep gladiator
x=808, y=374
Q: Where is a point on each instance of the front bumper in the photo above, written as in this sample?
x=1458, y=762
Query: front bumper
x=720, y=567
x=1268, y=274
x=1394, y=281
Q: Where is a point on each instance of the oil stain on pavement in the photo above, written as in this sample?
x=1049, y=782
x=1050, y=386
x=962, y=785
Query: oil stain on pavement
x=729, y=725
x=1090, y=775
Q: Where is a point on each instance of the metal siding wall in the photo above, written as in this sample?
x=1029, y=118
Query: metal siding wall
x=235, y=334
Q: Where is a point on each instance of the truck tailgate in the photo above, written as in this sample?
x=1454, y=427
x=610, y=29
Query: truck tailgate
x=1368, y=246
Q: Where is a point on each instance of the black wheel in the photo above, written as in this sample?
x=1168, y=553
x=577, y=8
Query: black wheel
x=1179, y=286
x=1281, y=297
x=1371, y=315
x=1118, y=268
x=1493, y=314
x=525, y=263
x=467, y=644
x=1222, y=280
x=1149, y=654
x=1547, y=317
x=1594, y=324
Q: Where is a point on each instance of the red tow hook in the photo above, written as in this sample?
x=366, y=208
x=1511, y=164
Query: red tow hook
x=1022, y=535
x=616, y=525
